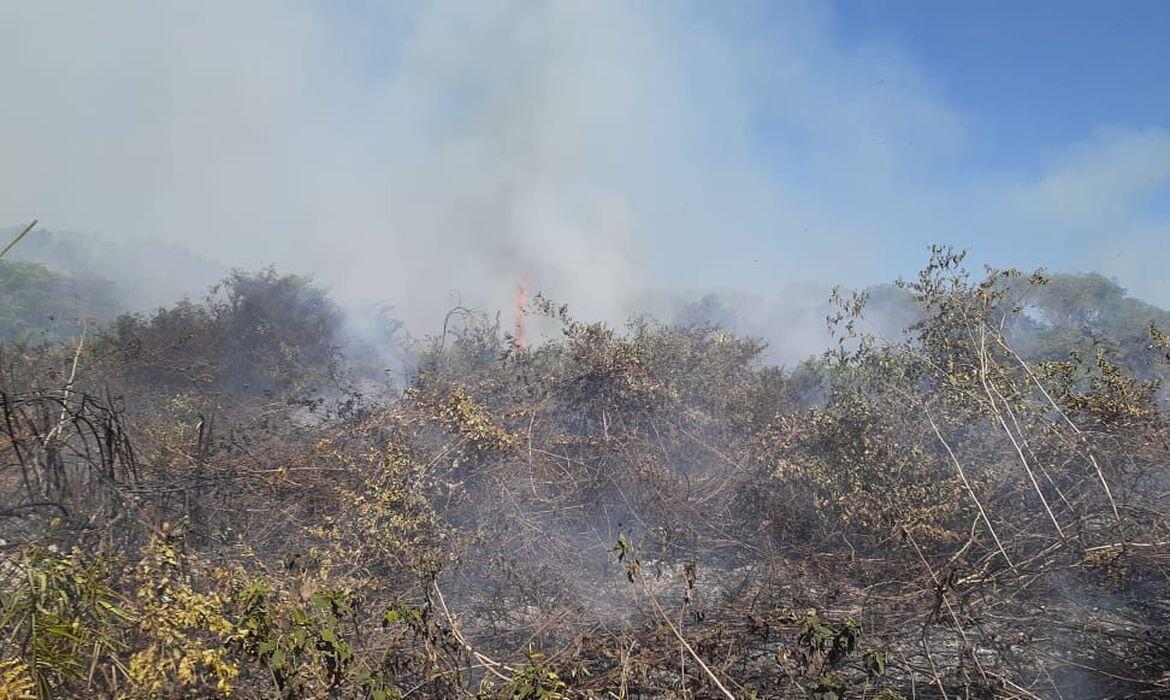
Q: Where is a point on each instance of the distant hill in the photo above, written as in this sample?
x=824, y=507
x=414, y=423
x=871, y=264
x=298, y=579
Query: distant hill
x=39, y=305
x=140, y=274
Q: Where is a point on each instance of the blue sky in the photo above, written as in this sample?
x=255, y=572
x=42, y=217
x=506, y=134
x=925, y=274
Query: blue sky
x=399, y=151
x=1037, y=75
x=1039, y=92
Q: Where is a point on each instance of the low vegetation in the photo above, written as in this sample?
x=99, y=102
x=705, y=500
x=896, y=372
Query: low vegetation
x=213, y=500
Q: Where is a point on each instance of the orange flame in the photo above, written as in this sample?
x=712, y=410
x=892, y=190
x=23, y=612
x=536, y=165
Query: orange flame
x=521, y=334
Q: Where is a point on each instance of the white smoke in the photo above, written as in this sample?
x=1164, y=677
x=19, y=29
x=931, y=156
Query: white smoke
x=399, y=152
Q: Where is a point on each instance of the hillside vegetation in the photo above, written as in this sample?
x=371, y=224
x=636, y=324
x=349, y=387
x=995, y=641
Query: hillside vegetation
x=38, y=305
x=220, y=499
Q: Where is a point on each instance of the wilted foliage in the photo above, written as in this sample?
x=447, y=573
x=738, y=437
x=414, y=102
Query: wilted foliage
x=199, y=503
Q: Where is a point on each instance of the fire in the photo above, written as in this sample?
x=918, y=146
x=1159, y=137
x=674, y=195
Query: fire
x=521, y=333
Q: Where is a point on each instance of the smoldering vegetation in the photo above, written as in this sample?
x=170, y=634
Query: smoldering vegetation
x=965, y=496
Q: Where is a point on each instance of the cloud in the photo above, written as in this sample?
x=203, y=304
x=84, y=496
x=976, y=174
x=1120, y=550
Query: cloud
x=1103, y=181
x=1100, y=199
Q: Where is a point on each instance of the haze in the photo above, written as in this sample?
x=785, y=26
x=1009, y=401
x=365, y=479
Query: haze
x=600, y=149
